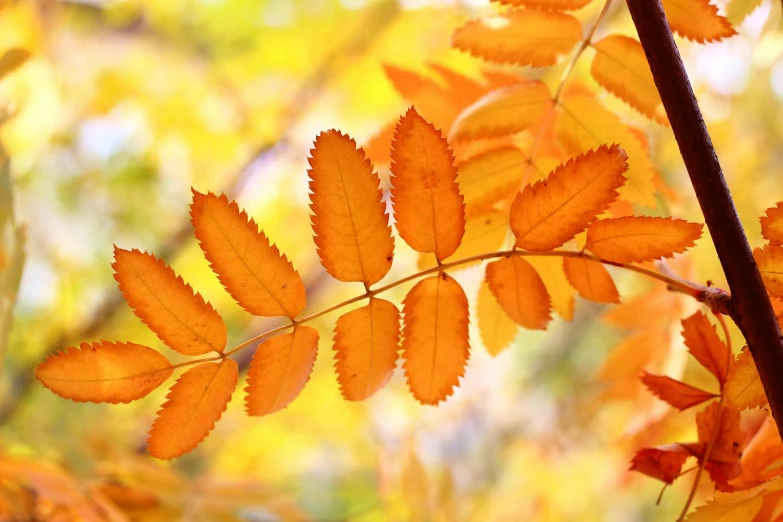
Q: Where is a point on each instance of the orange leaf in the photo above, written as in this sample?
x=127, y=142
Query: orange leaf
x=772, y=224
x=582, y=123
x=636, y=239
x=491, y=176
x=502, y=112
x=770, y=262
x=441, y=101
x=727, y=450
x=591, y=279
x=703, y=342
x=520, y=36
x=350, y=224
x=678, y=394
x=377, y=147
x=620, y=371
x=552, y=5
x=664, y=463
x=167, y=305
x=280, y=369
x=430, y=97
x=484, y=233
x=254, y=272
x=428, y=207
x=463, y=89
x=104, y=372
x=653, y=309
x=195, y=403
x=496, y=329
x=743, y=385
x=550, y=212
x=435, y=338
x=366, y=341
x=520, y=292
x=762, y=458
x=621, y=68
x=697, y=20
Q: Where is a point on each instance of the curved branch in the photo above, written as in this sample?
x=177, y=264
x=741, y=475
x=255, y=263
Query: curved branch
x=694, y=290
x=751, y=310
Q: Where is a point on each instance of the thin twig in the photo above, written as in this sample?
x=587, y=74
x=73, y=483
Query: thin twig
x=692, y=289
x=563, y=80
x=704, y=460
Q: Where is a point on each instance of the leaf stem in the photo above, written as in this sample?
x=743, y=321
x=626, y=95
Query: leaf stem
x=725, y=329
x=690, y=289
x=197, y=361
x=586, y=41
x=704, y=460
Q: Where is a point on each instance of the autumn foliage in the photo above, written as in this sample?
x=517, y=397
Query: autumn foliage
x=471, y=162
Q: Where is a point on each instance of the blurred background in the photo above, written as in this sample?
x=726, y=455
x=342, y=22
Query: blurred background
x=110, y=110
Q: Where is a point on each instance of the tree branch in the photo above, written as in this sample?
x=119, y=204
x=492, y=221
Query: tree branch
x=751, y=308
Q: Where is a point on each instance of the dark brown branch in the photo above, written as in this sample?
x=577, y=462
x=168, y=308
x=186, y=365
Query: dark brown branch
x=751, y=308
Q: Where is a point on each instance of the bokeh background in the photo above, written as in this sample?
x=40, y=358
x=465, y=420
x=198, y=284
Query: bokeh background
x=118, y=107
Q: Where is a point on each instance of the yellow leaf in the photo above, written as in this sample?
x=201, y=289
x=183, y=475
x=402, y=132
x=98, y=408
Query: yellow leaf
x=12, y=59
x=195, y=403
x=743, y=385
x=560, y=290
x=741, y=511
x=738, y=10
x=520, y=36
x=552, y=5
x=104, y=372
x=590, y=279
x=502, y=112
x=350, y=224
x=366, y=344
x=550, y=212
x=279, y=370
x=621, y=67
x=491, y=176
x=770, y=262
x=697, y=20
x=772, y=224
x=428, y=207
x=167, y=305
x=582, y=124
x=435, y=338
x=520, y=292
x=637, y=238
x=496, y=329
x=484, y=233
x=254, y=272
x=706, y=346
